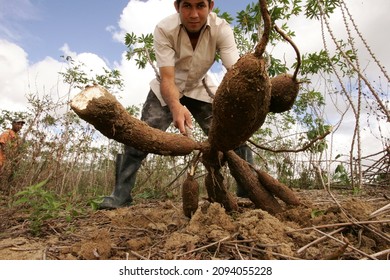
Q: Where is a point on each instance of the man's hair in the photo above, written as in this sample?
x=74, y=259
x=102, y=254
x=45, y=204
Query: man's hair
x=178, y=1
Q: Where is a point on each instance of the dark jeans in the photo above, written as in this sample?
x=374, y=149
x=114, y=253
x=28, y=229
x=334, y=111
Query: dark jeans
x=160, y=117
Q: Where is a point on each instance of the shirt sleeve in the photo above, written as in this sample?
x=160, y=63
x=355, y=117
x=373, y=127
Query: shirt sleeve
x=4, y=137
x=165, y=53
x=226, y=45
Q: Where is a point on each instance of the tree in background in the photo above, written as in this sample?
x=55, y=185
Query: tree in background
x=296, y=146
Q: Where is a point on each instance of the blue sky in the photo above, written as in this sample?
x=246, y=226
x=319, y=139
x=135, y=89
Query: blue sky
x=42, y=27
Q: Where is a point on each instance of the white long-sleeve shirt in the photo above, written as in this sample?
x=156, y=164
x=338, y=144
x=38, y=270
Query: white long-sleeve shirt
x=173, y=48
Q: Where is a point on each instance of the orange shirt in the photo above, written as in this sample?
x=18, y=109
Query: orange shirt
x=8, y=139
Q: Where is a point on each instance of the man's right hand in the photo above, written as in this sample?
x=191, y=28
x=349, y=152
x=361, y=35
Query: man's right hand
x=181, y=118
x=169, y=92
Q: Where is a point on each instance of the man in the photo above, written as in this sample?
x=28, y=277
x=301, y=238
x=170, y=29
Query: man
x=9, y=141
x=185, y=44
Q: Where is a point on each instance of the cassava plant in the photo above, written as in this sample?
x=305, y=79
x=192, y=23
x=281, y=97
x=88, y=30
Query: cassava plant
x=246, y=86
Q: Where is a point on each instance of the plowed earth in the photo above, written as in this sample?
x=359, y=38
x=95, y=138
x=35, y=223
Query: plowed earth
x=327, y=225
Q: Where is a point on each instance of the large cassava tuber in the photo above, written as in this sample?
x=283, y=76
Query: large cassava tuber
x=285, y=87
x=241, y=103
x=277, y=188
x=248, y=179
x=101, y=109
x=283, y=93
x=242, y=100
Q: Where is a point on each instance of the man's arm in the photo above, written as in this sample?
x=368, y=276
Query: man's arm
x=4, y=137
x=227, y=47
x=170, y=94
x=3, y=140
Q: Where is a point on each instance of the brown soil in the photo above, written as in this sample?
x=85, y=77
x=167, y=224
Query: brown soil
x=160, y=230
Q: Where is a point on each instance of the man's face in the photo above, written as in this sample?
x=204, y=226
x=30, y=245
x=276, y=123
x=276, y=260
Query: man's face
x=193, y=13
x=17, y=126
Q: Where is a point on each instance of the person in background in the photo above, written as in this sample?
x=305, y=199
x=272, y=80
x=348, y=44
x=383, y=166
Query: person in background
x=10, y=141
x=186, y=44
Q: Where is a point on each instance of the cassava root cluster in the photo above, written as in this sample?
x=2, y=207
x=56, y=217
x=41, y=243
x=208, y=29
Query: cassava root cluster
x=243, y=100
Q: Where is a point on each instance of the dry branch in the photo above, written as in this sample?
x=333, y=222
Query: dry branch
x=341, y=224
x=304, y=148
x=346, y=243
x=322, y=238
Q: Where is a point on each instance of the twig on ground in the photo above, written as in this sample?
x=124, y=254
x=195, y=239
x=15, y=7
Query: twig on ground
x=138, y=255
x=378, y=254
x=208, y=245
x=302, y=249
x=341, y=224
x=380, y=211
x=349, y=246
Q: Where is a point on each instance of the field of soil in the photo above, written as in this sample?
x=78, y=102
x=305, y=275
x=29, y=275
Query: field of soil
x=336, y=225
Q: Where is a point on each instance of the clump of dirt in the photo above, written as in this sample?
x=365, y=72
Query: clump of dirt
x=320, y=228
x=97, y=247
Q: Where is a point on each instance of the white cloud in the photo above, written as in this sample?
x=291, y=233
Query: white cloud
x=134, y=18
x=13, y=61
x=19, y=78
x=67, y=52
x=136, y=82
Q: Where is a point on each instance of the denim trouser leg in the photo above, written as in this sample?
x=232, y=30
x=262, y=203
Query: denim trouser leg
x=130, y=161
